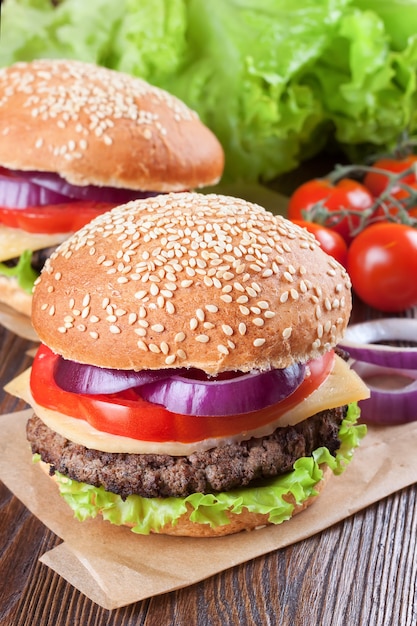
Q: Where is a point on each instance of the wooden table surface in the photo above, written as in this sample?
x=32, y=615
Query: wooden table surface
x=360, y=571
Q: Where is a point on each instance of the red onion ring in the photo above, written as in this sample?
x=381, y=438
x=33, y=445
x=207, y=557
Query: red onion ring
x=92, y=380
x=16, y=193
x=359, y=342
x=183, y=390
x=55, y=183
x=243, y=394
x=388, y=406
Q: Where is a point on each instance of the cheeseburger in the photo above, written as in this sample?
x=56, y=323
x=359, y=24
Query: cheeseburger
x=77, y=140
x=187, y=381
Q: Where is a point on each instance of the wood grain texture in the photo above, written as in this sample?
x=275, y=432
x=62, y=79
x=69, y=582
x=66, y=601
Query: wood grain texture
x=362, y=571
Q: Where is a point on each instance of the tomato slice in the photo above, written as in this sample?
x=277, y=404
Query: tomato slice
x=128, y=415
x=54, y=218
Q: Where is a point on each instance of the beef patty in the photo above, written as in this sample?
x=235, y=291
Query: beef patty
x=159, y=475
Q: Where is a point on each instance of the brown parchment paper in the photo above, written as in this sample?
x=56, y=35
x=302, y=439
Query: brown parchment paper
x=114, y=567
x=17, y=322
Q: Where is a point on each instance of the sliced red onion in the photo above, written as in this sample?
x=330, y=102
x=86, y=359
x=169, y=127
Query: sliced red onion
x=243, y=394
x=16, y=193
x=359, y=341
x=185, y=391
x=393, y=398
x=89, y=379
x=56, y=183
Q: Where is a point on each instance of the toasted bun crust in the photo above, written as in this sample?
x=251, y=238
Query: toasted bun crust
x=238, y=521
x=96, y=126
x=191, y=280
x=14, y=296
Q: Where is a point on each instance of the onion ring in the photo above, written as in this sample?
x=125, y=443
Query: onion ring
x=359, y=342
x=54, y=183
x=393, y=398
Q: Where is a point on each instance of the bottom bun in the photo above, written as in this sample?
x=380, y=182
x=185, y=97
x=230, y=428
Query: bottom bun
x=245, y=520
x=14, y=296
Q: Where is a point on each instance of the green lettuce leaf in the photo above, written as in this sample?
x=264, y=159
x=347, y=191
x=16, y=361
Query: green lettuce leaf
x=74, y=29
x=277, y=82
x=23, y=271
x=151, y=514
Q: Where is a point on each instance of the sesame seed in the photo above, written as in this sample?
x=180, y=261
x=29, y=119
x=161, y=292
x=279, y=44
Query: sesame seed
x=258, y=343
x=202, y=338
x=114, y=329
x=179, y=337
x=158, y=328
x=228, y=330
x=286, y=333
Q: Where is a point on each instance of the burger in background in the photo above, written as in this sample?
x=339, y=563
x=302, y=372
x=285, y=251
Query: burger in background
x=187, y=381
x=77, y=140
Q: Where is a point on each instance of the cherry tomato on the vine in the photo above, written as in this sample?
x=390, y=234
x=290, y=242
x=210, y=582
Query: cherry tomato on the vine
x=330, y=241
x=377, y=182
x=345, y=195
x=382, y=263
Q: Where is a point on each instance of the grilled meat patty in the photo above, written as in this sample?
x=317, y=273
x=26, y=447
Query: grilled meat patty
x=159, y=475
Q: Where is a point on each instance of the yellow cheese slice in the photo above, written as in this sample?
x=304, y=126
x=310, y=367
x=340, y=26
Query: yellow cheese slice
x=342, y=386
x=14, y=241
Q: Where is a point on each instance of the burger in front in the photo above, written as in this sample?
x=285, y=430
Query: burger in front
x=187, y=382
x=76, y=141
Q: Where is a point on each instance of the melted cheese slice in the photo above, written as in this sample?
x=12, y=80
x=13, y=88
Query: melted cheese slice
x=14, y=241
x=342, y=386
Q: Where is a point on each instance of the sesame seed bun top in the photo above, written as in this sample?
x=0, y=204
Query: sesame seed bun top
x=97, y=126
x=194, y=280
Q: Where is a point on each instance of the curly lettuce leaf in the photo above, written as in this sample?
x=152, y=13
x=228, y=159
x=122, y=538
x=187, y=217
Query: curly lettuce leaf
x=368, y=90
x=275, y=81
x=23, y=271
x=74, y=29
x=146, y=515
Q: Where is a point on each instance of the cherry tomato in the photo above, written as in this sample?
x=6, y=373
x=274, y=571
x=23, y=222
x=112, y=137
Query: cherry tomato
x=57, y=218
x=382, y=263
x=330, y=240
x=377, y=183
x=128, y=415
x=346, y=194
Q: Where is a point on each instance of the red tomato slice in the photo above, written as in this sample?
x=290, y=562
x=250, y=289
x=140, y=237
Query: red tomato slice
x=128, y=415
x=58, y=218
